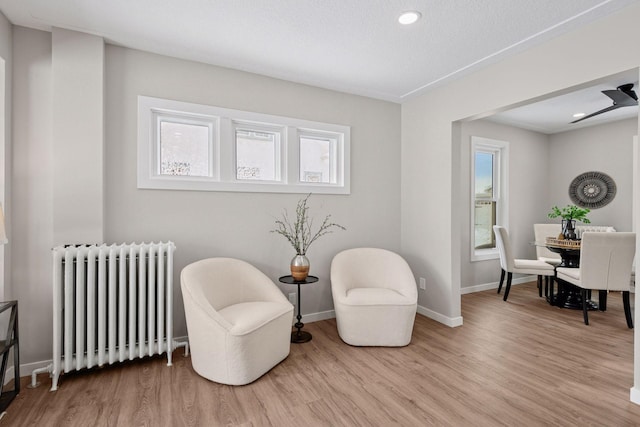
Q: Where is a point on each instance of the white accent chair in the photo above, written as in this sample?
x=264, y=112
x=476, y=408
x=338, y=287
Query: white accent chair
x=606, y=261
x=238, y=320
x=510, y=264
x=375, y=297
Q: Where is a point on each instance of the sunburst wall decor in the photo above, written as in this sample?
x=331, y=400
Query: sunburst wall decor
x=592, y=190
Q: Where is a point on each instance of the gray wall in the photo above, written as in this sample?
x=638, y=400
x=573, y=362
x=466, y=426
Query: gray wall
x=202, y=224
x=606, y=148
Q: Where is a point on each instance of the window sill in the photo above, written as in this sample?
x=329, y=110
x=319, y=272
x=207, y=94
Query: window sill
x=190, y=184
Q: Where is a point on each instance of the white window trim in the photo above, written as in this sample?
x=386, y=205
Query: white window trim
x=280, y=158
x=501, y=176
x=336, y=148
x=224, y=159
x=214, y=147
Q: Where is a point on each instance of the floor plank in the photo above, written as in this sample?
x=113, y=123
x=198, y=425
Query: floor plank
x=522, y=362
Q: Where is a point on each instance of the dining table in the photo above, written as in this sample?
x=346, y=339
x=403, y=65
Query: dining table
x=570, y=255
x=568, y=295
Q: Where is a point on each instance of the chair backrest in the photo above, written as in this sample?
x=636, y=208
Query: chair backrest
x=541, y=232
x=606, y=260
x=226, y=281
x=597, y=228
x=504, y=248
x=372, y=268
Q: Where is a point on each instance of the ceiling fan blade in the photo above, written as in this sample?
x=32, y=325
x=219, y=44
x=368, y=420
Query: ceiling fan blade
x=620, y=98
x=628, y=89
x=604, y=110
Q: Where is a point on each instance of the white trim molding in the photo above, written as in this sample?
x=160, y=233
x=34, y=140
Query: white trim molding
x=441, y=318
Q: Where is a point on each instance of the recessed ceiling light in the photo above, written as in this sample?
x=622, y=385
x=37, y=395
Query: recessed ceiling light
x=578, y=115
x=409, y=17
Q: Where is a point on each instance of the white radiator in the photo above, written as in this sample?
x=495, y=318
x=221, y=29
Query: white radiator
x=110, y=304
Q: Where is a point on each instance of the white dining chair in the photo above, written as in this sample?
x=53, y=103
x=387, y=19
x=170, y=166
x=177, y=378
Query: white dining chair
x=606, y=261
x=588, y=227
x=540, y=233
x=510, y=264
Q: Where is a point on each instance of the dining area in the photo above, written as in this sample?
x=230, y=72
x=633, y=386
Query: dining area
x=575, y=265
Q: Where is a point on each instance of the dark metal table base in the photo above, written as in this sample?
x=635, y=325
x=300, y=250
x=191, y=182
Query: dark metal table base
x=569, y=296
x=299, y=337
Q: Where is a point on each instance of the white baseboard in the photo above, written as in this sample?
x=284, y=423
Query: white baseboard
x=438, y=317
x=316, y=317
x=494, y=285
x=331, y=314
x=25, y=369
x=634, y=395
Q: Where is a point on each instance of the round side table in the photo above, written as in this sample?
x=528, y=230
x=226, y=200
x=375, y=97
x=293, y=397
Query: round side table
x=299, y=336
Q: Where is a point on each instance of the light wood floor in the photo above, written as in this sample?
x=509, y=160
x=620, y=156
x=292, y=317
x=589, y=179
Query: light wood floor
x=520, y=363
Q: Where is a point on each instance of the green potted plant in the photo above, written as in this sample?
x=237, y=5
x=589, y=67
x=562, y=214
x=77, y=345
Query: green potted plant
x=301, y=235
x=569, y=214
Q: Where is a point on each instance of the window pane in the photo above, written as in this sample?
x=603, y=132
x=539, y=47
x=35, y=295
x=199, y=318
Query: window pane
x=484, y=175
x=316, y=160
x=485, y=219
x=184, y=149
x=256, y=155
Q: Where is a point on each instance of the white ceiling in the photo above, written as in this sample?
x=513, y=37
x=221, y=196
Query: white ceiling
x=355, y=46
x=555, y=114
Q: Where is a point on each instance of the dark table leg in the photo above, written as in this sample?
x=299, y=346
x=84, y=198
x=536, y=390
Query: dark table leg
x=569, y=296
x=299, y=336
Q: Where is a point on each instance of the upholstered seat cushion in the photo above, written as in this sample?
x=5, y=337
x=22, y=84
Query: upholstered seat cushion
x=532, y=266
x=246, y=317
x=569, y=274
x=552, y=261
x=376, y=296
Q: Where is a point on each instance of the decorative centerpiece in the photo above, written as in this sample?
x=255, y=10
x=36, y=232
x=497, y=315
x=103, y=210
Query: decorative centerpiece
x=569, y=214
x=300, y=234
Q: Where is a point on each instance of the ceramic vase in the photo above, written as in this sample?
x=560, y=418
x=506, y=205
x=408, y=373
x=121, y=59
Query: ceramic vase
x=300, y=267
